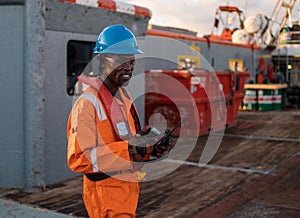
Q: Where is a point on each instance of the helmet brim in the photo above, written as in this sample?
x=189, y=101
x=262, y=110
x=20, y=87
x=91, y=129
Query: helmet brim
x=127, y=46
x=120, y=51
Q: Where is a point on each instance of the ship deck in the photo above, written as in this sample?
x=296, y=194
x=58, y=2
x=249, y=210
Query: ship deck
x=255, y=173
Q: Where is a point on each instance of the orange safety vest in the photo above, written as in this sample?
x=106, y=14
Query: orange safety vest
x=108, y=112
x=98, y=128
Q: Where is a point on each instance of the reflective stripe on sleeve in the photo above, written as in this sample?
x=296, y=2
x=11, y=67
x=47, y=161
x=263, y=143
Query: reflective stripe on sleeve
x=94, y=159
x=95, y=101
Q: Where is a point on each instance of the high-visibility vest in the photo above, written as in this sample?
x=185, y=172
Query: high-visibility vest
x=108, y=139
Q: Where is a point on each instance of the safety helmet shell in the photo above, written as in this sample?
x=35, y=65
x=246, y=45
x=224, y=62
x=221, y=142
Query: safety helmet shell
x=116, y=39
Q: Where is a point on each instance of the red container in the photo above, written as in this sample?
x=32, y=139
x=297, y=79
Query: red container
x=211, y=100
x=233, y=88
x=172, y=115
x=233, y=109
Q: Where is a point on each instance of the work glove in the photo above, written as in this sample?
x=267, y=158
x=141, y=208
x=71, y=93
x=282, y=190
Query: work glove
x=163, y=146
x=143, y=142
x=150, y=141
x=138, y=162
x=140, y=145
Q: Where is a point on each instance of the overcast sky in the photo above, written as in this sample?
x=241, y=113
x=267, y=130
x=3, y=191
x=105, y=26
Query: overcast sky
x=198, y=15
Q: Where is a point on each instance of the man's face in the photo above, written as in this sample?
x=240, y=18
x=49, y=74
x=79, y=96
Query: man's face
x=118, y=68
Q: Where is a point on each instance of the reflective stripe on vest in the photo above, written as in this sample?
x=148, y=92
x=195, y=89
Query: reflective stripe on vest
x=94, y=159
x=95, y=101
x=113, y=112
x=101, y=116
x=117, y=120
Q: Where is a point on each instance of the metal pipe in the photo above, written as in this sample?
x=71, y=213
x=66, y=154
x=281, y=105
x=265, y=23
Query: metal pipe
x=286, y=66
x=34, y=97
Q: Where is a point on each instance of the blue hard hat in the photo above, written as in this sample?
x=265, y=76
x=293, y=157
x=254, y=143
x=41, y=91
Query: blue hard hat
x=116, y=39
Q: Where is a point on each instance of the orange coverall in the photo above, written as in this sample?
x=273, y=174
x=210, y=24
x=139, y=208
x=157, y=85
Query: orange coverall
x=94, y=148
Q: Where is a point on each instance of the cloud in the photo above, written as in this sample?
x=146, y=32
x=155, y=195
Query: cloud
x=198, y=15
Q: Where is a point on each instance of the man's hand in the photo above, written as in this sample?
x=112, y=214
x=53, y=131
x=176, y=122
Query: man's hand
x=144, y=142
x=164, y=146
x=140, y=145
x=138, y=162
x=151, y=141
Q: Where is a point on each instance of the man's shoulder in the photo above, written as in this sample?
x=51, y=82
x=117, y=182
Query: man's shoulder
x=91, y=90
x=89, y=96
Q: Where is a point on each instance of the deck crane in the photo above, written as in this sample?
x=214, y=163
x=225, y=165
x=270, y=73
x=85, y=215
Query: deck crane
x=286, y=8
x=265, y=31
x=258, y=30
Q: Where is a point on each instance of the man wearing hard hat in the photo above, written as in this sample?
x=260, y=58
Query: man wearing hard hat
x=103, y=143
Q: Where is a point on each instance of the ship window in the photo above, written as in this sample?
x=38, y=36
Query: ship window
x=79, y=53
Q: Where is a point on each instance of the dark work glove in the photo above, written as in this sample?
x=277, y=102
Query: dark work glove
x=163, y=147
x=144, y=142
x=138, y=162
